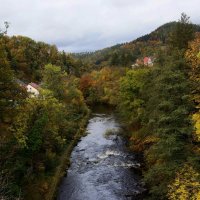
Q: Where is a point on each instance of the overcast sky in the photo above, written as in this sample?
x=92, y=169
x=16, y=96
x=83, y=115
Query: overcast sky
x=87, y=25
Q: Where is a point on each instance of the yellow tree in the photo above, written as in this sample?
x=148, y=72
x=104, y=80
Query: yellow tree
x=193, y=58
x=186, y=185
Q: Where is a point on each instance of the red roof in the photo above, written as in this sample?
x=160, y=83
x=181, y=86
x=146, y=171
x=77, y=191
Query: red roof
x=146, y=59
x=34, y=85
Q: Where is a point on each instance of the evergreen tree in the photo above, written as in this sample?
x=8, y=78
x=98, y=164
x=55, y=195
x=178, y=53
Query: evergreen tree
x=168, y=111
x=182, y=33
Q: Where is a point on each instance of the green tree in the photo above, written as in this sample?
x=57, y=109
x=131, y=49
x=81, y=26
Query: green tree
x=54, y=80
x=130, y=96
x=182, y=33
x=169, y=119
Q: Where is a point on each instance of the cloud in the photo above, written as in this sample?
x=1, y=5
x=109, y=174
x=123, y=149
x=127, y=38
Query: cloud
x=86, y=25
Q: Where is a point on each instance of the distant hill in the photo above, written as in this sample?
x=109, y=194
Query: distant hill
x=162, y=32
x=125, y=54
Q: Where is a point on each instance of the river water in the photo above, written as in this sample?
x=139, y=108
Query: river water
x=101, y=168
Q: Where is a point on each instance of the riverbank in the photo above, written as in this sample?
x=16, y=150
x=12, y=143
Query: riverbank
x=48, y=185
x=65, y=160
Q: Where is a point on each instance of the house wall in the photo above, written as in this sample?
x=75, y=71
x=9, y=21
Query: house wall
x=32, y=90
x=150, y=63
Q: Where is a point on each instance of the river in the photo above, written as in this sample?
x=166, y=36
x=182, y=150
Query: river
x=102, y=168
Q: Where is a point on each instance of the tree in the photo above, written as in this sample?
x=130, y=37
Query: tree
x=186, y=185
x=4, y=32
x=193, y=59
x=54, y=80
x=168, y=118
x=64, y=62
x=182, y=33
x=131, y=87
x=10, y=92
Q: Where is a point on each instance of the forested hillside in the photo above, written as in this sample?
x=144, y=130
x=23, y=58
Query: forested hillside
x=27, y=58
x=158, y=104
x=127, y=53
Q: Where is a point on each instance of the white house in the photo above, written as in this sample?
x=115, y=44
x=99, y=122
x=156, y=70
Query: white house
x=33, y=89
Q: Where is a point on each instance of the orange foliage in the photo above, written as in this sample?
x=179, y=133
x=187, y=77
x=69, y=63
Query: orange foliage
x=86, y=82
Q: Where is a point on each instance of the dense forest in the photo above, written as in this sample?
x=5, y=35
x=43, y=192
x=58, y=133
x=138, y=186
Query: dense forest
x=159, y=106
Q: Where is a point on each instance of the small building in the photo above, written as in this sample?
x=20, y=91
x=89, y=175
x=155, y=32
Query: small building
x=139, y=62
x=148, y=61
x=33, y=89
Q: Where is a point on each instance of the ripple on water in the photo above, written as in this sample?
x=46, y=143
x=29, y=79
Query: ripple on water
x=109, y=153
